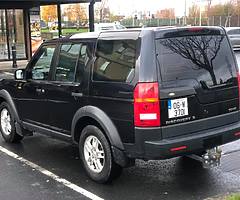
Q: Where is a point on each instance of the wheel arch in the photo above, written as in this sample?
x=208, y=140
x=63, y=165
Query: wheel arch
x=5, y=96
x=93, y=115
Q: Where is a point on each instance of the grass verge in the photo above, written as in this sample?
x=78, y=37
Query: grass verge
x=233, y=197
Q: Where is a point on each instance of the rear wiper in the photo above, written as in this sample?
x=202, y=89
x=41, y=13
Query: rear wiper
x=208, y=87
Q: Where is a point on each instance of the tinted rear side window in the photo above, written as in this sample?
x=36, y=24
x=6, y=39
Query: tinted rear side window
x=205, y=58
x=115, y=60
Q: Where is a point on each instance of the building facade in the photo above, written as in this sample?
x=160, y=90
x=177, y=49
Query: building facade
x=15, y=30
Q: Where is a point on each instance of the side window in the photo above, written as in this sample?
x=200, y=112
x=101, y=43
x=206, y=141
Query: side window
x=115, y=60
x=66, y=66
x=41, y=68
x=84, y=57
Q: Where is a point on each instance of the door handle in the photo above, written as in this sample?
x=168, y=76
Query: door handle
x=74, y=94
x=39, y=90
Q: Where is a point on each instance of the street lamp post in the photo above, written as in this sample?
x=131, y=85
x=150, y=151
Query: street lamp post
x=185, y=13
x=200, y=14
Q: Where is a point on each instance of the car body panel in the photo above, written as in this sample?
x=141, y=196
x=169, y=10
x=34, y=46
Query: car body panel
x=63, y=106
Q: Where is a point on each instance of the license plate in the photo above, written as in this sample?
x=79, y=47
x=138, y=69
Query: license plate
x=177, y=108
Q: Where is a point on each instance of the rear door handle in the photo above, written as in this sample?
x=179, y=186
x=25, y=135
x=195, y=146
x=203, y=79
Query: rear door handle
x=74, y=94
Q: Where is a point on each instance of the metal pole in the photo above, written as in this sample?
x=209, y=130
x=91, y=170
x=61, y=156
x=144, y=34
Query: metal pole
x=185, y=13
x=14, y=56
x=91, y=16
x=59, y=20
x=200, y=14
x=14, y=49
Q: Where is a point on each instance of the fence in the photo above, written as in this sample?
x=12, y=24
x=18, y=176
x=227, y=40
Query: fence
x=194, y=21
x=224, y=21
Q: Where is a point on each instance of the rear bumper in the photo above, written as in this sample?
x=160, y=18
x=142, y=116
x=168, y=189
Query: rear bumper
x=181, y=145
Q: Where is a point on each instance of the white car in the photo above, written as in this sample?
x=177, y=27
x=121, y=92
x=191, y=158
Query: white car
x=234, y=36
x=108, y=27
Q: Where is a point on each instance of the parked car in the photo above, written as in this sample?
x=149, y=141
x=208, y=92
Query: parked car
x=150, y=94
x=98, y=27
x=234, y=35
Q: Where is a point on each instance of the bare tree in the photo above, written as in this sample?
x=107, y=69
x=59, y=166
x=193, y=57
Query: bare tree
x=193, y=14
x=209, y=8
x=201, y=50
x=229, y=11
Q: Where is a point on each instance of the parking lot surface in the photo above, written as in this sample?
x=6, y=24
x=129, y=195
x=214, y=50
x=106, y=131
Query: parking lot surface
x=178, y=178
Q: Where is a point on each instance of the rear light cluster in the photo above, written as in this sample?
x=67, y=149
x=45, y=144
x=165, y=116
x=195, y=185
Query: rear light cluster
x=237, y=134
x=146, y=105
x=238, y=76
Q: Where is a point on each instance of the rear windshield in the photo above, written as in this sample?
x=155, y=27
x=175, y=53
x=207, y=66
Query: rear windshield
x=205, y=58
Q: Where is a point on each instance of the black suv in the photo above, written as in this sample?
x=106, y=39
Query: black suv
x=154, y=93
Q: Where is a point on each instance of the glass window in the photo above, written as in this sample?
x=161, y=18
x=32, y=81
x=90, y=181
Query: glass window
x=115, y=60
x=234, y=32
x=201, y=58
x=3, y=36
x=68, y=57
x=84, y=57
x=41, y=68
x=16, y=32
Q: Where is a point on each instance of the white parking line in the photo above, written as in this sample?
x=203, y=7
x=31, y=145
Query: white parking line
x=52, y=175
x=8, y=73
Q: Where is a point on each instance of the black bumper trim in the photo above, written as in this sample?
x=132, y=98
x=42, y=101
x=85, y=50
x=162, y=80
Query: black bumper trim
x=195, y=143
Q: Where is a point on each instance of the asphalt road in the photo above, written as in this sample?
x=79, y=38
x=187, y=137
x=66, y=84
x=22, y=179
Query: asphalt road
x=178, y=178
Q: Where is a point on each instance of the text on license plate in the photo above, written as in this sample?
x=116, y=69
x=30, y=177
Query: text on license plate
x=177, y=108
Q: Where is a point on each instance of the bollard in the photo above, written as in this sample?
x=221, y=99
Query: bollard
x=14, y=56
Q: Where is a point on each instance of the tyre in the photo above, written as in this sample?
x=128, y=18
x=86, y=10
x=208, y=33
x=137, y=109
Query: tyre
x=7, y=126
x=96, y=155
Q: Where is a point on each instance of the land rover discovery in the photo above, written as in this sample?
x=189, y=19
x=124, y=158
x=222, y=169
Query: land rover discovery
x=150, y=94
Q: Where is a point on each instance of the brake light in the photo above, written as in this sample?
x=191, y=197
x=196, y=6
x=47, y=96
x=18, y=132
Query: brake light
x=238, y=76
x=146, y=105
x=195, y=29
x=237, y=134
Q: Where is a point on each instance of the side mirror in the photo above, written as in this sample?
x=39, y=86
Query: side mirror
x=19, y=74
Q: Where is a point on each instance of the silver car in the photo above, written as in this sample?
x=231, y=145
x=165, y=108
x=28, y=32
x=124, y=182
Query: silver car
x=234, y=35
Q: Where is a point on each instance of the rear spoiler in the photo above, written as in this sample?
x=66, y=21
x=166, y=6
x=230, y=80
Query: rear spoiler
x=189, y=31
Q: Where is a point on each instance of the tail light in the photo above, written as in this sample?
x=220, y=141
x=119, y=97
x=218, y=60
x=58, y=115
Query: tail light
x=238, y=75
x=146, y=105
x=195, y=29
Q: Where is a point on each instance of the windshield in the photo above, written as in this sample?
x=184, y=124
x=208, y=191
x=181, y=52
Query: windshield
x=207, y=59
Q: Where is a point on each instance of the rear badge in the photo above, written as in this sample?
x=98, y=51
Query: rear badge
x=177, y=108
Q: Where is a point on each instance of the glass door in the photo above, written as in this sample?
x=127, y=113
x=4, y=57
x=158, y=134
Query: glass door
x=3, y=36
x=16, y=32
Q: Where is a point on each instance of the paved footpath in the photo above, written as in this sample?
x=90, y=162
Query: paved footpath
x=7, y=66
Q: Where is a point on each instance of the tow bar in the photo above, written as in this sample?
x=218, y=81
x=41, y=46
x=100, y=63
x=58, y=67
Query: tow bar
x=210, y=159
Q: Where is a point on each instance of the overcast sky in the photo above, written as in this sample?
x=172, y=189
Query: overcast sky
x=128, y=7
